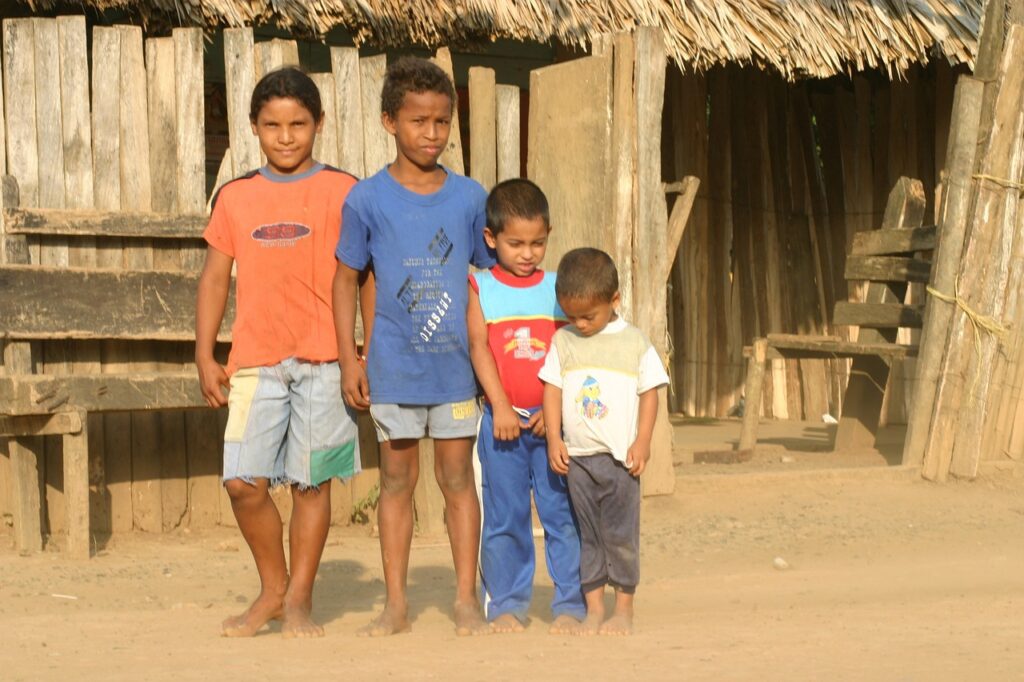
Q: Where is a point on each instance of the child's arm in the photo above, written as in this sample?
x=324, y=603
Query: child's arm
x=640, y=451
x=355, y=388
x=506, y=421
x=211, y=299
x=558, y=454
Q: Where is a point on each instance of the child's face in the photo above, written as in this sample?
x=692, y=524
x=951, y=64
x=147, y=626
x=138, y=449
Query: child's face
x=520, y=246
x=287, y=131
x=589, y=315
x=421, y=127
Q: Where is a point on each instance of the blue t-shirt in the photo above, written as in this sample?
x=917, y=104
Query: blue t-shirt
x=420, y=247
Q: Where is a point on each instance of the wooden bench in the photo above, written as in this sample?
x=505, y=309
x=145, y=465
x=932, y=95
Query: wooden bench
x=41, y=304
x=889, y=258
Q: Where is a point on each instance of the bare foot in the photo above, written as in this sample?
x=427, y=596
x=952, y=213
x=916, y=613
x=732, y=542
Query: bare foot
x=297, y=623
x=590, y=625
x=619, y=624
x=564, y=625
x=506, y=622
x=468, y=620
x=391, y=621
x=265, y=608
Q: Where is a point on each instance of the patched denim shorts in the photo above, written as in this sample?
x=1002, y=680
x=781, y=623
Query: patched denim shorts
x=448, y=420
x=288, y=423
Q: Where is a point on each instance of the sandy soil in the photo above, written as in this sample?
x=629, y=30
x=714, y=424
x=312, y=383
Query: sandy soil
x=888, y=578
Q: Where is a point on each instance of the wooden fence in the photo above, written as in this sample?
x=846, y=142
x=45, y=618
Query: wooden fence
x=137, y=144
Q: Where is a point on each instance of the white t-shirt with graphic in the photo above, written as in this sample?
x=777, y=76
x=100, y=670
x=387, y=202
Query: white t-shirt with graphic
x=601, y=378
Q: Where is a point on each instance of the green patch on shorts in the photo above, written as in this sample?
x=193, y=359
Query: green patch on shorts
x=337, y=462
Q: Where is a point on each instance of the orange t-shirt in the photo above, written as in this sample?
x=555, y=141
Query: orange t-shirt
x=281, y=231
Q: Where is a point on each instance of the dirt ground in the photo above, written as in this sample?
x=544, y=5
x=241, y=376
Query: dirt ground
x=885, y=577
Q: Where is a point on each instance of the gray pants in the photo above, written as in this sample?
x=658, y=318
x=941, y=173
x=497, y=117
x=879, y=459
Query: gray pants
x=607, y=503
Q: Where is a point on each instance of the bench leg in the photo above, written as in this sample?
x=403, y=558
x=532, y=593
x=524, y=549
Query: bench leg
x=24, y=454
x=862, y=405
x=76, y=490
x=752, y=396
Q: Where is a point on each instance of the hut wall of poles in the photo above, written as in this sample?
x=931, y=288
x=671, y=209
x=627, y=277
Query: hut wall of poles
x=790, y=172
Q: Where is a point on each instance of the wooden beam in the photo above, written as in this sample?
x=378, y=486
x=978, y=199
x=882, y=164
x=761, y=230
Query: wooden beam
x=507, y=127
x=76, y=491
x=52, y=303
x=40, y=394
x=483, y=144
x=887, y=269
x=41, y=424
x=838, y=347
x=878, y=315
x=752, y=395
x=886, y=242
x=85, y=222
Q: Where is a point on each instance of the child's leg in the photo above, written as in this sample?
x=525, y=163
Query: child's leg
x=453, y=467
x=399, y=470
x=260, y=524
x=307, y=534
x=561, y=538
x=585, y=490
x=257, y=424
x=620, y=531
x=506, y=543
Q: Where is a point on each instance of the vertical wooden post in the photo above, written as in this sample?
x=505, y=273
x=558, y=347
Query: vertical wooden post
x=483, y=144
x=239, y=74
x=378, y=146
x=509, y=164
x=190, y=125
x=623, y=157
x=25, y=453
x=76, y=490
x=452, y=156
x=961, y=151
x=326, y=146
x=348, y=109
x=20, y=86
x=162, y=125
x=752, y=401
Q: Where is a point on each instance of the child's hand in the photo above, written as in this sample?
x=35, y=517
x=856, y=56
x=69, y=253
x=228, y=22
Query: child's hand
x=506, y=423
x=637, y=455
x=558, y=457
x=355, y=388
x=213, y=380
x=536, y=424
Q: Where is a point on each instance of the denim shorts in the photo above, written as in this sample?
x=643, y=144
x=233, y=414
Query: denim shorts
x=288, y=423
x=447, y=420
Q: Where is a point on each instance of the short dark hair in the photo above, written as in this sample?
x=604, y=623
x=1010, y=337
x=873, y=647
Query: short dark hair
x=290, y=82
x=587, y=274
x=515, y=198
x=413, y=74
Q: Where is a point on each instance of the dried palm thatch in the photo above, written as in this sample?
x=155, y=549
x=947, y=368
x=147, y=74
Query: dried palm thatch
x=799, y=38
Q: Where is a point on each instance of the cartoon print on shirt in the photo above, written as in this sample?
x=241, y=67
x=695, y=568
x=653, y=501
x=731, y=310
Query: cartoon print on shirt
x=589, y=402
x=523, y=345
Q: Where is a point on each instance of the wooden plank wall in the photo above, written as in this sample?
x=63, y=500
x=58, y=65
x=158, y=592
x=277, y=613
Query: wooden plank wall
x=790, y=173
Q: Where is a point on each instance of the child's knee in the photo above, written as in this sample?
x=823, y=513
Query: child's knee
x=455, y=479
x=241, y=490
x=397, y=480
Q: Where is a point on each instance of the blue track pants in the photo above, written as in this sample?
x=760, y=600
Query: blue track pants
x=510, y=469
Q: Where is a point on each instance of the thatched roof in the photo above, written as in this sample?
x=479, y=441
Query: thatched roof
x=797, y=37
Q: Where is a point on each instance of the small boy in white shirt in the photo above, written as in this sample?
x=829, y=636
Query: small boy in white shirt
x=600, y=403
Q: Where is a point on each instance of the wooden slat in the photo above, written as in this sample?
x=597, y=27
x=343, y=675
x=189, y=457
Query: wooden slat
x=76, y=492
x=836, y=346
x=40, y=394
x=190, y=126
x=162, y=123
x=452, y=156
x=348, y=109
x=74, y=100
x=239, y=75
x=50, y=134
x=887, y=269
x=136, y=188
x=106, y=157
x=378, y=146
x=879, y=315
x=507, y=127
x=275, y=53
x=82, y=304
x=20, y=119
x=622, y=156
x=483, y=143
x=886, y=242
x=325, y=149
x=99, y=223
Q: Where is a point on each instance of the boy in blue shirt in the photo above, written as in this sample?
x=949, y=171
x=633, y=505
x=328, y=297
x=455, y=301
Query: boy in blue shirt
x=513, y=313
x=418, y=226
